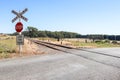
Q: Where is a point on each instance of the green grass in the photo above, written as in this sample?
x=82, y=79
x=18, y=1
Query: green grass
x=99, y=45
x=7, y=46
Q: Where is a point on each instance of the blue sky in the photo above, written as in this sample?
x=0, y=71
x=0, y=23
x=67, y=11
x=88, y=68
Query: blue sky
x=81, y=16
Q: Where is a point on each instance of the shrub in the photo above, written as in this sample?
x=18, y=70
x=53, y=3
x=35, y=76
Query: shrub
x=107, y=41
x=114, y=42
x=99, y=41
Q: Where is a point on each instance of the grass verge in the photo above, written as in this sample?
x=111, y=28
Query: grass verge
x=7, y=46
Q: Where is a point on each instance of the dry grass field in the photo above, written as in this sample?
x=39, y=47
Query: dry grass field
x=81, y=42
x=7, y=46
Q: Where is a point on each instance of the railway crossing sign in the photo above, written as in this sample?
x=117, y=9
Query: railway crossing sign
x=19, y=27
x=19, y=15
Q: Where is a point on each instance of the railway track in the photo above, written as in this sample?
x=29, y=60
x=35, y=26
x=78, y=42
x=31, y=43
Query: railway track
x=52, y=45
x=67, y=49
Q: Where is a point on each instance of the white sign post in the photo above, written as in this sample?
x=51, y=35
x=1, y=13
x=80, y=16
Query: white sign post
x=20, y=42
x=20, y=37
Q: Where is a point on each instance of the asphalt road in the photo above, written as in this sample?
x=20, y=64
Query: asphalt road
x=74, y=65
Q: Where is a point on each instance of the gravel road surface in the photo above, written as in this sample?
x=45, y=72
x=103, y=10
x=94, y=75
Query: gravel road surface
x=75, y=65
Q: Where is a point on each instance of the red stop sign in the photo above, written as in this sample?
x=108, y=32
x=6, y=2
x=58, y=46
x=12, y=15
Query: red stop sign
x=19, y=27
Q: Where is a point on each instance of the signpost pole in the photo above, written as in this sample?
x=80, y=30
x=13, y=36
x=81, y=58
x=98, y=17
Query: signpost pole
x=20, y=46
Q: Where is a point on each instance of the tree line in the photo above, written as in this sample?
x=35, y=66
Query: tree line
x=34, y=32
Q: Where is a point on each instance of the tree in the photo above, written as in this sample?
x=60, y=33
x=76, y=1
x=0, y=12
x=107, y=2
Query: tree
x=42, y=34
x=33, y=32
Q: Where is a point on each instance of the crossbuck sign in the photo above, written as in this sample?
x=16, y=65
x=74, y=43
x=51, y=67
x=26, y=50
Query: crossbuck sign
x=19, y=15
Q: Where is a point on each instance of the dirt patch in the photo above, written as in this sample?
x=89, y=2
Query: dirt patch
x=30, y=48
